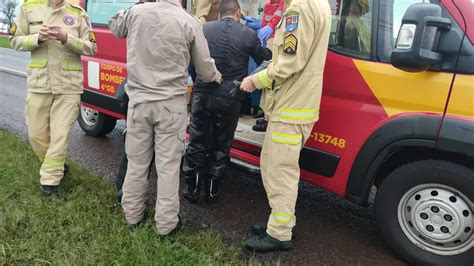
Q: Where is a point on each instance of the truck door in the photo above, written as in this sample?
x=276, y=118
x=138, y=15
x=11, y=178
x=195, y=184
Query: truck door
x=363, y=91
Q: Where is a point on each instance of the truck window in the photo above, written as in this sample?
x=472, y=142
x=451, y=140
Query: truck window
x=101, y=10
x=392, y=12
x=351, y=27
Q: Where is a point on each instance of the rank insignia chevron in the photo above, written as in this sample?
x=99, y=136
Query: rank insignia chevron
x=290, y=45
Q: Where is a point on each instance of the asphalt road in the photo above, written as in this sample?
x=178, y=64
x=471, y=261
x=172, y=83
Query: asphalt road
x=330, y=230
x=13, y=60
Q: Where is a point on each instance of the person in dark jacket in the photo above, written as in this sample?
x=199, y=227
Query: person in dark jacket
x=215, y=111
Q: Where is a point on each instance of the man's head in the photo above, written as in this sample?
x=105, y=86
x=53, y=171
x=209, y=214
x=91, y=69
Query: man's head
x=230, y=8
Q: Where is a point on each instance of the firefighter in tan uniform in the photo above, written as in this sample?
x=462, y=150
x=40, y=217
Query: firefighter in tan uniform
x=206, y=10
x=56, y=33
x=292, y=86
x=157, y=64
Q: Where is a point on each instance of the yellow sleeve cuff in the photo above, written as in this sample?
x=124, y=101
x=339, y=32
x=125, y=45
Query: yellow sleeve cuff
x=261, y=80
x=73, y=43
x=31, y=41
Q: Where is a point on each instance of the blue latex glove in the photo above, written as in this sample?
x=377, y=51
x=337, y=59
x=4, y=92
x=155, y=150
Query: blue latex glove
x=264, y=33
x=249, y=19
x=254, y=23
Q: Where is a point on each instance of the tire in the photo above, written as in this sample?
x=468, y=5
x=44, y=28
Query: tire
x=94, y=123
x=422, y=194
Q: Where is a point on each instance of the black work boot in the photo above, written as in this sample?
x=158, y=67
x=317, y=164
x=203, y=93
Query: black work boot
x=50, y=192
x=262, y=127
x=173, y=232
x=119, y=196
x=212, y=190
x=259, y=228
x=66, y=169
x=193, y=187
x=265, y=243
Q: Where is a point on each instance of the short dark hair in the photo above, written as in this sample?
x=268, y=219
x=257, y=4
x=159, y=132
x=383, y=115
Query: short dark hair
x=229, y=7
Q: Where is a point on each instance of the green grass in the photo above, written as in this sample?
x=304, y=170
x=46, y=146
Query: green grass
x=83, y=227
x=4, y=42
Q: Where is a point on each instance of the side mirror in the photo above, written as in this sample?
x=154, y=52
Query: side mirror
x=417, y=41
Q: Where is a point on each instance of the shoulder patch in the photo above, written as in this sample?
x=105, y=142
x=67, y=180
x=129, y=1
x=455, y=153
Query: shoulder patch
x=13, y=29
x=92, y=37
x=290, y=44
x=291, y=23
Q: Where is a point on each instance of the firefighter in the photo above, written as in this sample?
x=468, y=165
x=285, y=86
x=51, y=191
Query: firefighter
x=270, y=24
x=292, y=86
x=157, y=64
x=206, y=10
x=56, y=33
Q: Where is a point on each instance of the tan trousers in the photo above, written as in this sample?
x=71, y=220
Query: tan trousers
x=49, y=118
x=281, y=174
x=155, y=128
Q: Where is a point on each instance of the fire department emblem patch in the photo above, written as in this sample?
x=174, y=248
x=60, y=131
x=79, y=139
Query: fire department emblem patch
x=91, y=37
x=13, y=29
x=291, y=23
x=290, y=44
x=69, y=20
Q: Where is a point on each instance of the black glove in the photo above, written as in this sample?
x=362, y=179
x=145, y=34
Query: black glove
x=235, y=88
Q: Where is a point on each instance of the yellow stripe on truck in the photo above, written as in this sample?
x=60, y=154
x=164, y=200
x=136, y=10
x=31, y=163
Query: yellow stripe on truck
x=400, y=92
x=462, y=96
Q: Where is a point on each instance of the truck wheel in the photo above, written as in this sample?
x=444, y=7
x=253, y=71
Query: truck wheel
x=94, y=123
x=424, y=212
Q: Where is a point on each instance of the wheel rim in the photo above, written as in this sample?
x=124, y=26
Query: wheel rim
x=89, y=116
x=437, y=218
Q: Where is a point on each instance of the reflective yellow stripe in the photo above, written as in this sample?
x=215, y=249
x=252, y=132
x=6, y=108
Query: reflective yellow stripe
x=34, y=3
x=73, y=10
x=267, y=79
x=281, y=217
x=263, y=78
x=299, y=114
x=29, y=42
x=37, y=63
x=71, y=65
x=77, y=44
x=286, y=139
x=53, y=163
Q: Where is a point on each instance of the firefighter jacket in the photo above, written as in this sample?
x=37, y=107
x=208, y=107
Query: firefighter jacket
x=206, y=10
x=162, y=40
x=54, y=67
x=292, y=83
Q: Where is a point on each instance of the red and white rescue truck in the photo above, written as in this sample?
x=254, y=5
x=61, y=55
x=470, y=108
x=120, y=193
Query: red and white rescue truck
x=397, y=113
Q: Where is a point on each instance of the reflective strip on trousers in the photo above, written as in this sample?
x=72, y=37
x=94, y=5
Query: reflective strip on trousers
x=281, y=217
x=53, y=163
x=299, y=114
x=38, y=63
x=286, y=139
x=264, y=79
x=71, y=65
